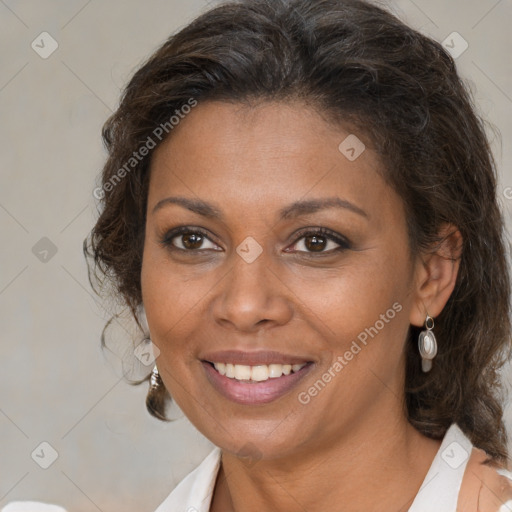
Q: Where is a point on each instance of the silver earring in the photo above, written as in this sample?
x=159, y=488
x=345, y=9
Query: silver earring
x=155, y=380
x=427, y=344
x=155, y=399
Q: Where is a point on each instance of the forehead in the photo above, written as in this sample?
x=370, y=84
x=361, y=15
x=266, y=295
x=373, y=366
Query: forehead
x=266, y=154
x=241, y=131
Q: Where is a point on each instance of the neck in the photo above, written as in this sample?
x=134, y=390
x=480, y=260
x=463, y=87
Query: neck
x=377, y=465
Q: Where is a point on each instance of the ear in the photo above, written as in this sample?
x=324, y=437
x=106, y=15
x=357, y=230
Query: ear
x=435, y=275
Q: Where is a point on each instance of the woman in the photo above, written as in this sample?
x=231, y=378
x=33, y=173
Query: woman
x=300, y=201
x=296, y=192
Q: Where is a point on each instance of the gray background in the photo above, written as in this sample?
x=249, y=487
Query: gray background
x=56, y=385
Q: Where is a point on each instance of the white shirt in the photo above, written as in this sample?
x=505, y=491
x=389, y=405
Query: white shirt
x=438, y=493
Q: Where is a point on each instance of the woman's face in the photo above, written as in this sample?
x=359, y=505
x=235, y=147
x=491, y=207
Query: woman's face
x=236, y=272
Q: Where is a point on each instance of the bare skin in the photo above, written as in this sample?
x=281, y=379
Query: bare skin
x=350, y=447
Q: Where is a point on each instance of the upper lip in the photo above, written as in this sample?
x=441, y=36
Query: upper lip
x=252, y=358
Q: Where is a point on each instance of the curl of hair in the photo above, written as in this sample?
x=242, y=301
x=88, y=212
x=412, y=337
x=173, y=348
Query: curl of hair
x=357, y=64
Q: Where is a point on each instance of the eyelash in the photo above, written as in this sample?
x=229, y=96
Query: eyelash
x=343, y=243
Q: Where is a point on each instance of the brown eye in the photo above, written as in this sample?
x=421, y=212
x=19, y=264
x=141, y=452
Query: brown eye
x=320, y=241
x=192, y=241
x=315, y=243
x=188, y=240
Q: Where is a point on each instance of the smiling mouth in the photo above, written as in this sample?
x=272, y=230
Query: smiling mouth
x=256, y=384
x=256, y=373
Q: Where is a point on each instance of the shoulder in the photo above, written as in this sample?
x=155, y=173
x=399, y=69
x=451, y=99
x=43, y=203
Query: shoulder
x=486, y=486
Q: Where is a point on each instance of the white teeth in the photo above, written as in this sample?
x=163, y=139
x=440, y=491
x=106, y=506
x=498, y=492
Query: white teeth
x=257, y=373
x=275, y=370
x=230, y=371
x=242, y=372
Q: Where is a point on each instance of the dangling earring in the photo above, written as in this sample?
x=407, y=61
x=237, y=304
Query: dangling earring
x=427, y=344
x=155, y=380
x=155, y=400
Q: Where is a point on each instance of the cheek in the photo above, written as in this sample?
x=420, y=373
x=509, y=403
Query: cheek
x=172, y=303
x=353, y=298
x=168, y=304
x=363, y=312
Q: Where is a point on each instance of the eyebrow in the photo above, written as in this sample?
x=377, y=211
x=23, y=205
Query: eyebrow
x=296, y=209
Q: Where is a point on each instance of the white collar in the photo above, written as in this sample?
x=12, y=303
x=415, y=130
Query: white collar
x=438, y=493
x=194, y=493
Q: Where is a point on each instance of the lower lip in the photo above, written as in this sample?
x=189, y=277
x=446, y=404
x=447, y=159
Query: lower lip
x=253, y=393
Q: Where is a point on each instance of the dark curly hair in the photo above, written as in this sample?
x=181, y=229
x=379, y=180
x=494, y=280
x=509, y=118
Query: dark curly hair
x=355, y=62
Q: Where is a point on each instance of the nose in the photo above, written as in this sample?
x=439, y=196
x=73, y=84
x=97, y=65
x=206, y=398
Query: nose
x=252, y=295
